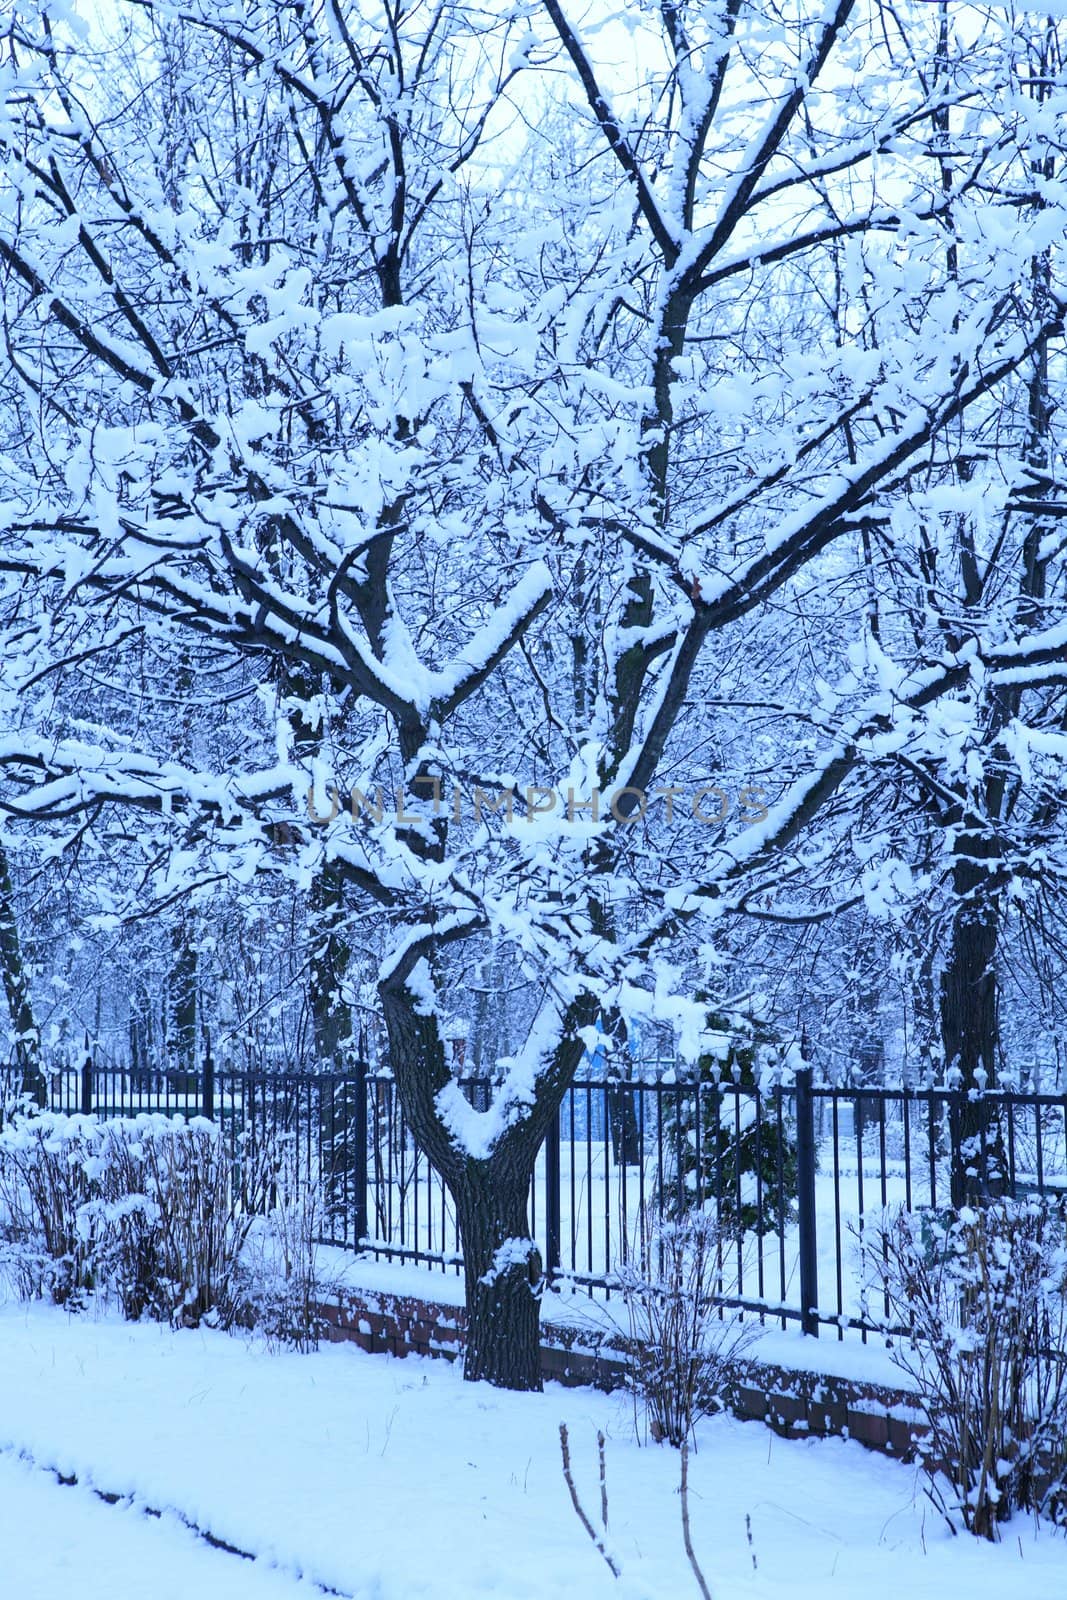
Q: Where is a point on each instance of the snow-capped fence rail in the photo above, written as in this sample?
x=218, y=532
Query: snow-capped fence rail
x=795, y=1172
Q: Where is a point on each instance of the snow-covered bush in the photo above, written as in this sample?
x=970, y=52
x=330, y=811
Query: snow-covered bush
x=44, y=1182
x=721, y=1142
x=984, y=1299
x=145, y=1209
x=164, y=1216
x=172, y=1219
x=682, y=1345
x=284, y=1278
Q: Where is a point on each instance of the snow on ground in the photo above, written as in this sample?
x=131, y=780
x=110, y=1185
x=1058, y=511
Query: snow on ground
x=394, y=1480
x=569, y=1306
x=60, y=1542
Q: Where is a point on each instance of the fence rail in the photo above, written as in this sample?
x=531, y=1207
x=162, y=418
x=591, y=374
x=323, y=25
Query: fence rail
x=794, y=1173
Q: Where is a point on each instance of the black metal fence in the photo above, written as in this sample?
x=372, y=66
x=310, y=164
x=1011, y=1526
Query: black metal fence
x=794, y=1173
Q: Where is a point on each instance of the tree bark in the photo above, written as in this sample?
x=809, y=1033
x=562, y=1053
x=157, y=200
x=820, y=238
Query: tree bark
x=969, y=1027
x=182, y=987
x=17, y=991
x=503, y=1274
x=331, y=953
x=969, y=998
x=625, y=1132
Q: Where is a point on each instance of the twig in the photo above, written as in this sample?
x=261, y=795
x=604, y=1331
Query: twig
x=565, y=1451
x=698, y=1575
x=603, y=1481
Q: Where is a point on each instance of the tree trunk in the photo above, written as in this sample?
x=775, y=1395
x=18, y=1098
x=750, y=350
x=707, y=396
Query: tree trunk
x=503, y=1272
x=182, y=985
x=503, y=1268
x=17, y=990
x=331, y=953
x=342, y=1126
x=502, y=1265
x=625, y=1132
x=969, y=1032
x=969, y=998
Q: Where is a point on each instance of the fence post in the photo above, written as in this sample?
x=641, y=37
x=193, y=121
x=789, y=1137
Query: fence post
x=957, y=1170
x=553, y=1198
x=809, y=1256
x=207, y=1097
x=361, y=1119
x=87, y=1082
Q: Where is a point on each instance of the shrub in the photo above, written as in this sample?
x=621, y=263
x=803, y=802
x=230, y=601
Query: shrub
x=147, y=1209
x=284, y=1279
x=983, y=1299
x=682, y=1345
x=717, y=1143
x=44, y=1182
x=172, y=1220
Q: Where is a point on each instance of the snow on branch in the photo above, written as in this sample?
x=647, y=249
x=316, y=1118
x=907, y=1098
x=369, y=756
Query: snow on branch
x=78, y=774
x=483, y=654
x=478, y=1133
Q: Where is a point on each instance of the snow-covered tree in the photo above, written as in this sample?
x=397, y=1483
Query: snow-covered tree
x=480, y=433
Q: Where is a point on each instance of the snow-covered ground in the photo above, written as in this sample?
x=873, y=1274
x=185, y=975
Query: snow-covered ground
x=394, y=1480
x=68, y=1543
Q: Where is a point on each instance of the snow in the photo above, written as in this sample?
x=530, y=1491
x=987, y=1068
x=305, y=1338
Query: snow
x=567, y=1306
x=102, y=1552
x=477, y=1132
x=512, y=1253
x=390, y=1277
x=389, y=1479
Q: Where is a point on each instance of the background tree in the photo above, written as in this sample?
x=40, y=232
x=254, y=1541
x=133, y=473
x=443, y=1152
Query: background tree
x=721, y=1150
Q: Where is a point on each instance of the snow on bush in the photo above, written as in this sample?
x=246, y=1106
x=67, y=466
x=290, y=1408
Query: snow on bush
x=156, y=1213
x=682, y=1344
x=44, y=1182
x=984, y=1299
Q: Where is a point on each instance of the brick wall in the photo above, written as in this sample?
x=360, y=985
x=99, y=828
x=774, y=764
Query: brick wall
x=794, y=1404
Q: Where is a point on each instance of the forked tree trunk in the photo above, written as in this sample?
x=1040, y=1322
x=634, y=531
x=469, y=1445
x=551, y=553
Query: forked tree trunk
x=503, y=1272
x=503, y=1268
x=502, y=1265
